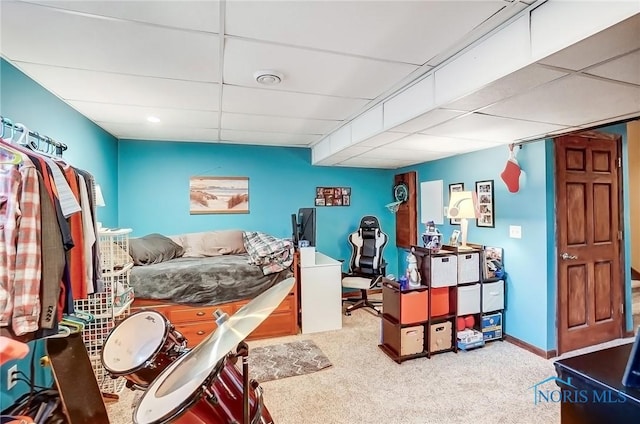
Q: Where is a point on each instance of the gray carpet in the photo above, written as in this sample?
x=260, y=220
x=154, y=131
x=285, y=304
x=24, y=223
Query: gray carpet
x=283, y=360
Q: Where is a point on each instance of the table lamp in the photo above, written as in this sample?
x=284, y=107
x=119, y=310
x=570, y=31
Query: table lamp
x=463, y=205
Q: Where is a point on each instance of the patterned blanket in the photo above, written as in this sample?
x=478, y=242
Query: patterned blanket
x=269, y=253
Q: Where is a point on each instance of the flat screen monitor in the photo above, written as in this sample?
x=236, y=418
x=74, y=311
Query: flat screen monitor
x=295, y=230
x=631, y=377
x=307, y=225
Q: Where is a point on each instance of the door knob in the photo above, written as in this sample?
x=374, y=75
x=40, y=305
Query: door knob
x=567, y=256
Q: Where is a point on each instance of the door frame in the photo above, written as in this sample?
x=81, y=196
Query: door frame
x=616, y=138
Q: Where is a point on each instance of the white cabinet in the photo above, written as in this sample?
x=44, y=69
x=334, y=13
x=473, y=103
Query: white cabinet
x=321, y=294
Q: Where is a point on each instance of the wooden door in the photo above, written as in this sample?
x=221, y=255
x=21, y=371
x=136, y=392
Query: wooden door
x=588, y=240
x=407, y=214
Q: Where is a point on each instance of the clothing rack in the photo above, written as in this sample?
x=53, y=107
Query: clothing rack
x=54, y=147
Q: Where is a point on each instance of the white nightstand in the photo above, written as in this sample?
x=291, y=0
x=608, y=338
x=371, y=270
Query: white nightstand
x=321, y=294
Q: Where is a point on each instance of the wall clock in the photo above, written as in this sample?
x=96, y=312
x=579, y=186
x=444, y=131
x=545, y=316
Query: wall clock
x=401, y=192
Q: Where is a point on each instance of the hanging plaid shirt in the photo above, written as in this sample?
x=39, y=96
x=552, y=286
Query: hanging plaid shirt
x=20, y=257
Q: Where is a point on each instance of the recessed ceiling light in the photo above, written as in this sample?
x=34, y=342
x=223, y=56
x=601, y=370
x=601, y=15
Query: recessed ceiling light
x=268, y=77
x=153, y=119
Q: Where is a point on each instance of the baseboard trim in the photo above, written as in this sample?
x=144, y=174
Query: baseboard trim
x=635, y=275
x=546, y=354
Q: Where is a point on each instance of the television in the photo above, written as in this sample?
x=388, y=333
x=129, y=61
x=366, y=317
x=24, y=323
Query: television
x=303, y=226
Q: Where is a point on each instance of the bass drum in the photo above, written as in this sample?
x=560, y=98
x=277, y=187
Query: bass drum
x=215, y=400
x=141, y=347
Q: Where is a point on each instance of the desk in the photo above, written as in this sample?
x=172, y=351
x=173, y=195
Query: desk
x=321, y=294
x=599, y=372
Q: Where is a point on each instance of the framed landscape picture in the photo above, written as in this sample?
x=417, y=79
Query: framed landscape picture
x=484, y=191
x=218, y=195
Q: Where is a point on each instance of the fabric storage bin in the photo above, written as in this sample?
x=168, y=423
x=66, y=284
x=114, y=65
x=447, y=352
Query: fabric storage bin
x=468, y=267
x=493, y=296
x=444, y=271
x=440, y=301
x=405, y=307
x=440, y=336
x=469, y=299
x=402, y=340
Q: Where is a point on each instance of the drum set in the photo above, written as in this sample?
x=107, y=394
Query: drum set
x=202, y=385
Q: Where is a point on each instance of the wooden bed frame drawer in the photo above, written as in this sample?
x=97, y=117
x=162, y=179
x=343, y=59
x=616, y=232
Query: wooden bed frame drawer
x=196, y=332
x=204, y=313
x=287, y=305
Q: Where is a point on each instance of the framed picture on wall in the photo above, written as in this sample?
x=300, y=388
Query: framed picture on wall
x=486, y=206
x=333, y=196
x=218, y=195
x=455, y=187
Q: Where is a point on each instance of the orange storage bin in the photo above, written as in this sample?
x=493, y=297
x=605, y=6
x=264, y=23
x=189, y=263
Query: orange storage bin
x=405, y=307
x=439, y=301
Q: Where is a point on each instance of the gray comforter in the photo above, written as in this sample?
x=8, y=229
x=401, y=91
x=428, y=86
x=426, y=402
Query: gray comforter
x=202, y=281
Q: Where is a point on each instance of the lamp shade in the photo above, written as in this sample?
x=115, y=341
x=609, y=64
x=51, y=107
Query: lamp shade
x=99, y=197
x=463, y=204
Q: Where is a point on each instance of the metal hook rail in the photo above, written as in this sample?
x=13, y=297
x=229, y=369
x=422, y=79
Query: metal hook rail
x=57, y=146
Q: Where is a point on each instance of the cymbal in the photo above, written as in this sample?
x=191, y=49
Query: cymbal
x=201, y=360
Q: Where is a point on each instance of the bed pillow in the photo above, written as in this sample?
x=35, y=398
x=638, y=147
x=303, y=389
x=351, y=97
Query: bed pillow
x=153, y=249
x=211, y=243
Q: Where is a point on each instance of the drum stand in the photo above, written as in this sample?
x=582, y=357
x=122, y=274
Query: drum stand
x=243, y=351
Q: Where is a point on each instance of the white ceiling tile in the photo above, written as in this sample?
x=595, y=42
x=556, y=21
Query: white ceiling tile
x=409, y=103
x=159, y=132
x=192, y=15
x=73, y=84
x=614, y=41
x=32, y=33
x=382, y=138
x=270, y=139
x=239, y=121
x=353, y=151
x=625, y=68
x=282, y=103
x=571, y=101
x=380, y=29
x=310, y=71
x=402, y=154
x=125, y=114
x=427, y=120
x=476, y=126
x=429, y=143
x=522, y=80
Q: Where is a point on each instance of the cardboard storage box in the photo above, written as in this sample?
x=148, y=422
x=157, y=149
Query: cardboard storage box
x=492, y=335
x=492, y=321
x=440, y=336
x=402, y=340
x=405, y=307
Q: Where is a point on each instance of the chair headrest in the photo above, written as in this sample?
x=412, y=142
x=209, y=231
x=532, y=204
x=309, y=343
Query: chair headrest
x=369, y=222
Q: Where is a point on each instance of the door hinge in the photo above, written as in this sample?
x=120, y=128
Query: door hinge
x=619, y=162
x=622, y=309
x=620, y=235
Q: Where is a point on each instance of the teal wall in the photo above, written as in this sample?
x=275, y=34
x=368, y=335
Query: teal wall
x=526, y=258
x=154, y=191
x=90, y=148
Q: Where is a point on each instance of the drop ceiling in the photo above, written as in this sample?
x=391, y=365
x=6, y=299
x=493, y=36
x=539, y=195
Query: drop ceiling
x=379, y=84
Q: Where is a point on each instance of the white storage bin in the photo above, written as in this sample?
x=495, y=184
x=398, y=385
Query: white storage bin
x=469, y=299
x=468, y=267
x=493, y=296
x=444, y=271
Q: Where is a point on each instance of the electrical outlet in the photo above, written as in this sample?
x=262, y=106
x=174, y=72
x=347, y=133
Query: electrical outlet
x=10, y=380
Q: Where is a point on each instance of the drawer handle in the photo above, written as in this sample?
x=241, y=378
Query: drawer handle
x=200, y=333
x=200, y=314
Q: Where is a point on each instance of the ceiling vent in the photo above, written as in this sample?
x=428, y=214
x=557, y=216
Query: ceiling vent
x=268, y=77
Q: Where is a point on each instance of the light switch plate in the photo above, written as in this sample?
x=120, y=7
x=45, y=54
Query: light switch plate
x=515, y=231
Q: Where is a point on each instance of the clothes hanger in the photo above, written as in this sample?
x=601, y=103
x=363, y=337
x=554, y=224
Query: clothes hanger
x=16, y=156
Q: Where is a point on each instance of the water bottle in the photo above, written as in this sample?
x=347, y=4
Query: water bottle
x=404, y=283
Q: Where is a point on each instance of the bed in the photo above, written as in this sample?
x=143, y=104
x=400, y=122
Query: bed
x=188, y=277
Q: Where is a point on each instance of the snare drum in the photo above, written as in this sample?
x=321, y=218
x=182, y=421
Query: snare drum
x=215, y=398
x=141, y=347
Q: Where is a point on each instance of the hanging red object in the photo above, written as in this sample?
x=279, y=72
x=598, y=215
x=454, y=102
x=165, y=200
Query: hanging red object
x=512, y=172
